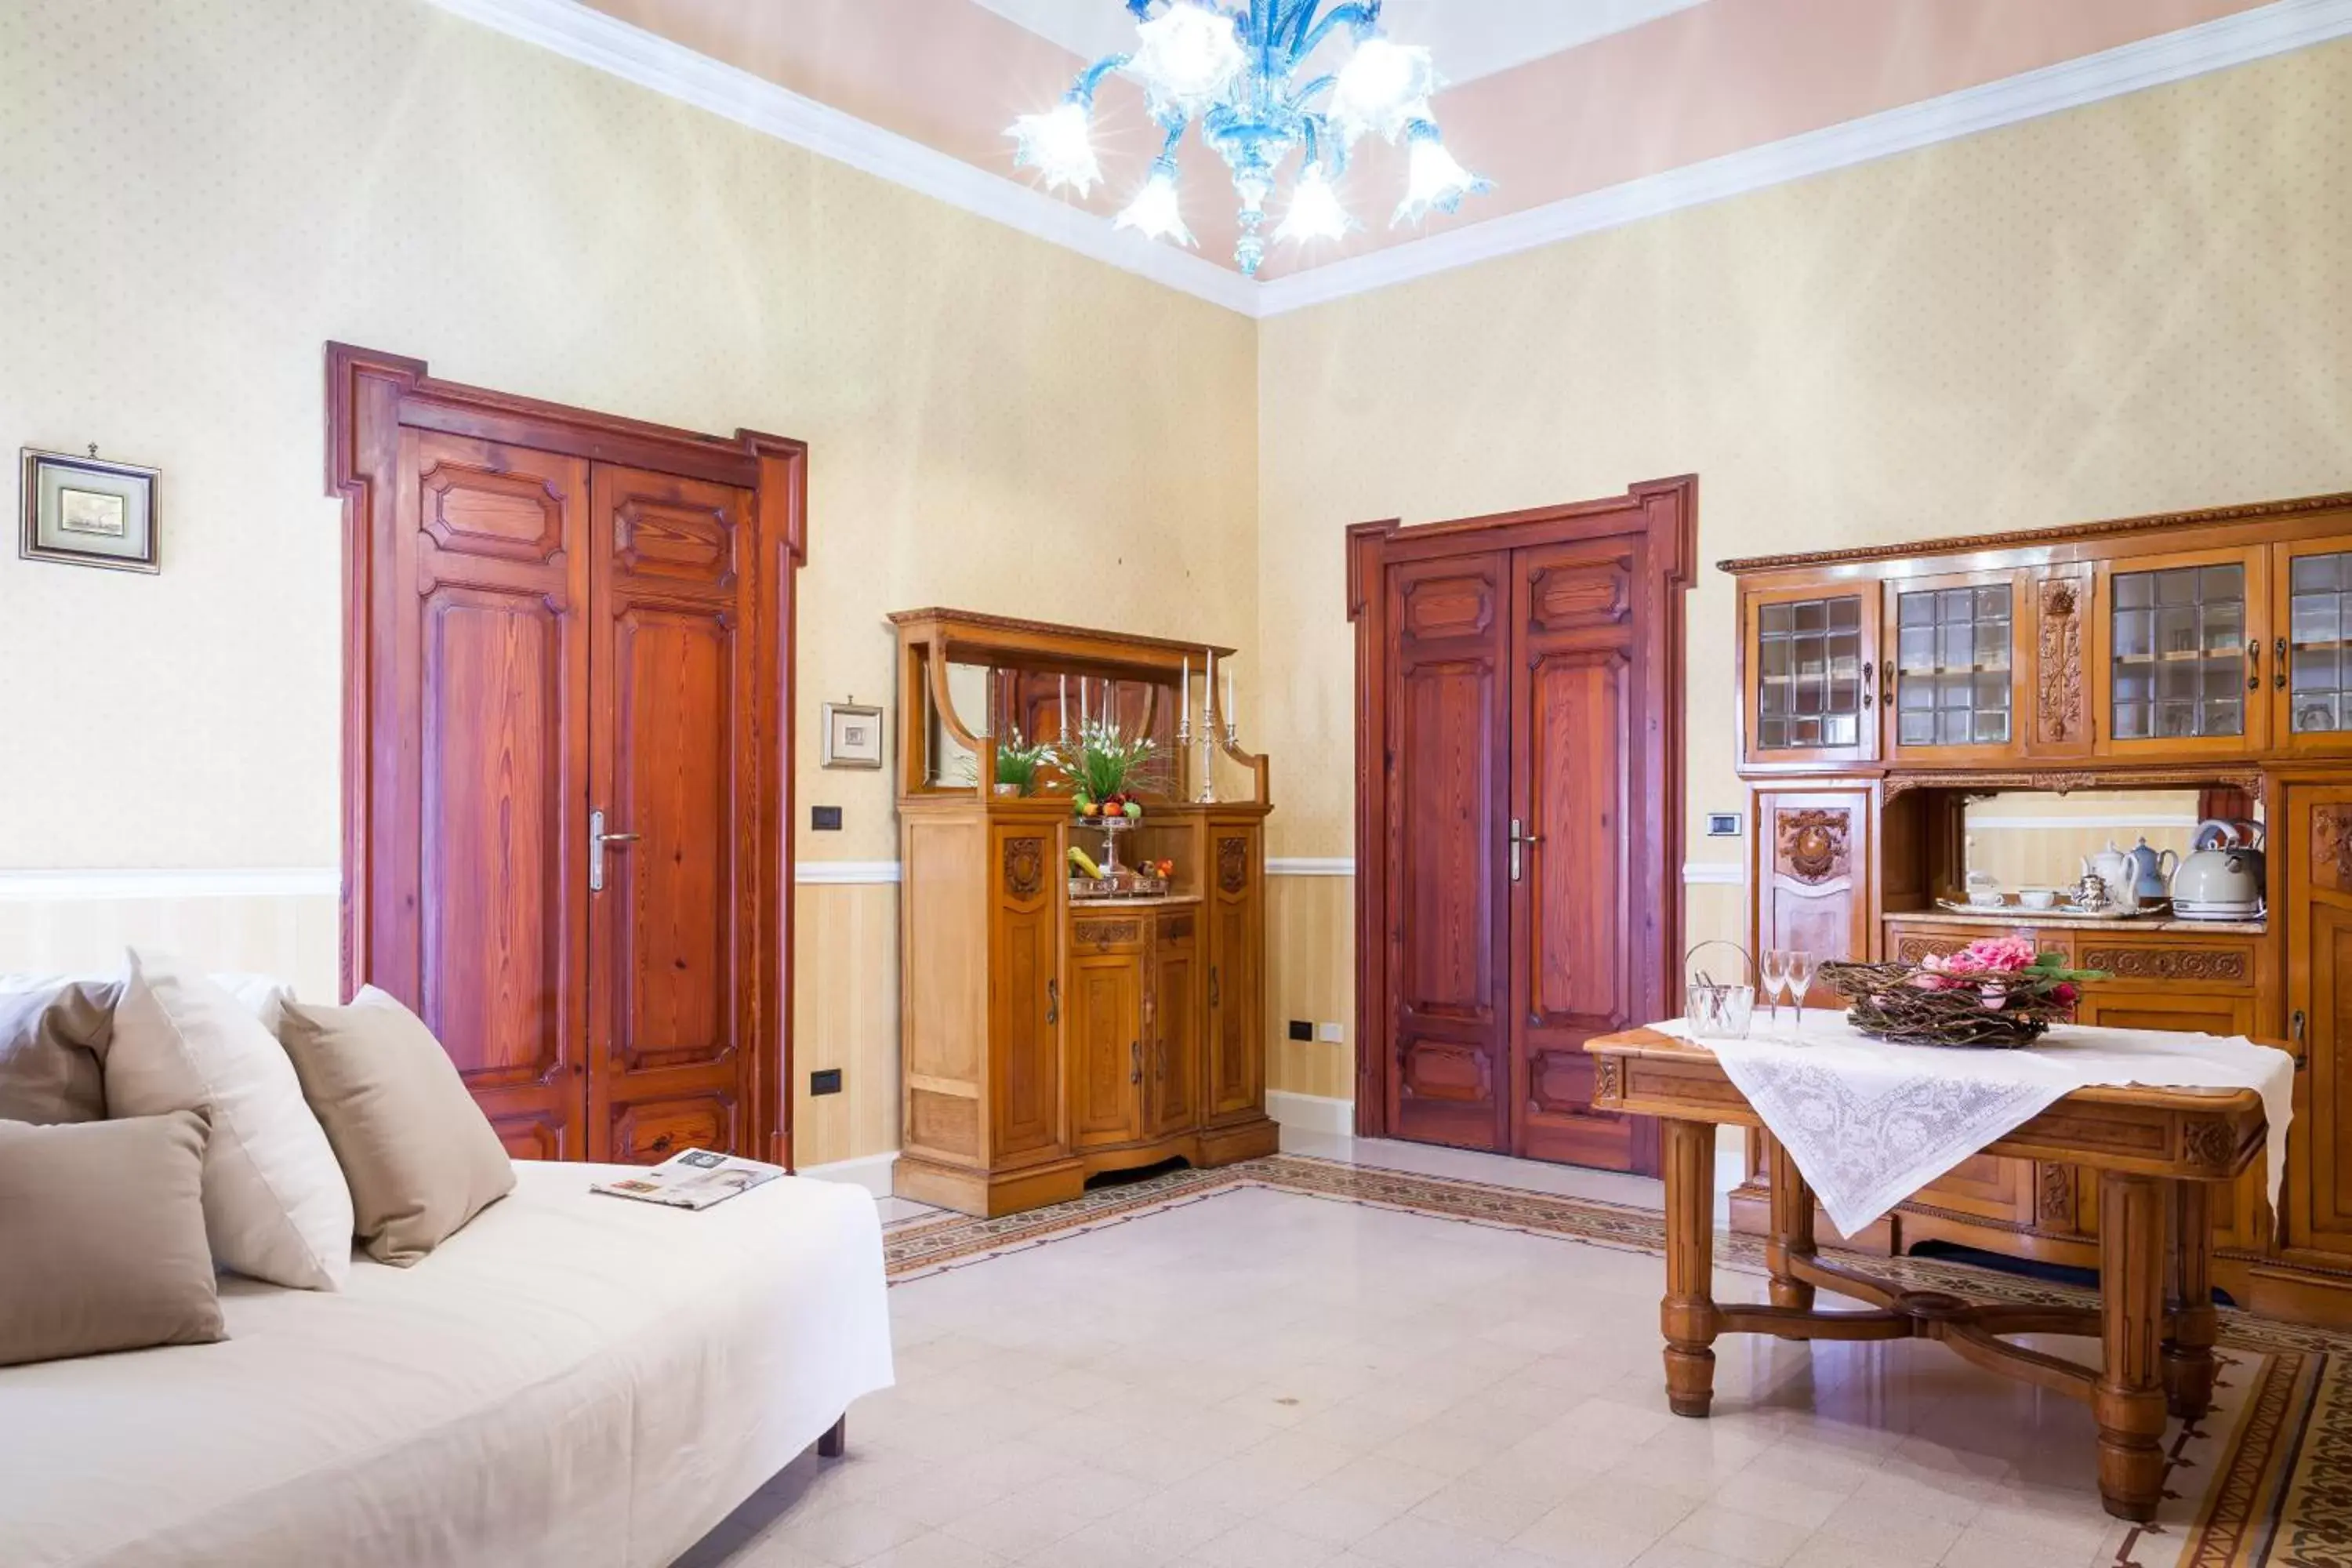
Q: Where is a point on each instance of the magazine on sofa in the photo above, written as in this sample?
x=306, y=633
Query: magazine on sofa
x=694, y=1180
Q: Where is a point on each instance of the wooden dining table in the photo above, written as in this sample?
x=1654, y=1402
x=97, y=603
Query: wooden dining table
x=2160, y=1154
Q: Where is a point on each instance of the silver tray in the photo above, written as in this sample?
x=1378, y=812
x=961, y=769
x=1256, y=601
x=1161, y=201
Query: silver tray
x=2160, y=910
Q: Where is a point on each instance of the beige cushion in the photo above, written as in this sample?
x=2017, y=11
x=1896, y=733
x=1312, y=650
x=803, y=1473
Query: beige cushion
x=275, y=1203
x=52, y=1033
x=419, y=1154
x=102, y=1231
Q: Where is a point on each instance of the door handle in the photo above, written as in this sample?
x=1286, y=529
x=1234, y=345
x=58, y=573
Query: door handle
x=2253, y=664
x=1053, y=1001
x=597, y=839
x=1518, y=838
x=1135, y=1060
x=1212, y=985
x=1869, y=699
x=2278, y=661
x=1887, y=684
x=2294, y=1028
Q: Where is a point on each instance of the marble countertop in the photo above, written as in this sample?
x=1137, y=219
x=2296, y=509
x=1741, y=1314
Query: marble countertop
x=2018, y=915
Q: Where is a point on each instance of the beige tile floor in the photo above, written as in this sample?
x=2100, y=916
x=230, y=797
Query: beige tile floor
x=1261, y=1380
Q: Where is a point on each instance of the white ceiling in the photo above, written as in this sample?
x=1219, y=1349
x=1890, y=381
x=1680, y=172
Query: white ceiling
x=1471, y=38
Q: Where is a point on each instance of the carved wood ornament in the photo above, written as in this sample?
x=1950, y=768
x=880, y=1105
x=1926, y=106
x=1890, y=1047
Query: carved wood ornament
x=2331, y=846
x=1025, y=867
x=2060, y=699
x=1812, y=844
x=1232, y=864
x=2167, y=963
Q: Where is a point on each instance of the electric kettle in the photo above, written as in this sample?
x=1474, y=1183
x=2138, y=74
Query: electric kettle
x=2221, y=880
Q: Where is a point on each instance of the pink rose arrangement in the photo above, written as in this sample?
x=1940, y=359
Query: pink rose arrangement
x=2004, y=972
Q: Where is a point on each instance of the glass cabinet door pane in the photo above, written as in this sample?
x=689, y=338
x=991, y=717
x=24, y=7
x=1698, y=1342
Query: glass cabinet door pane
x=1952, y=667
x=1808, y=673
x=2179, y=660
x=2319, y=613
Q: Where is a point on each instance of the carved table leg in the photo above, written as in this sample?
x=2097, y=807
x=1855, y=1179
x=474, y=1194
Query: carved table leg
x=1688, y=1314
x=1793, y=1225
x=2129, y=1403
x=2189, y=1290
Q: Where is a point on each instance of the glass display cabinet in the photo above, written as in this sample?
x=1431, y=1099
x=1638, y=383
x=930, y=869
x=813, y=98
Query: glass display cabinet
x=2168, y=671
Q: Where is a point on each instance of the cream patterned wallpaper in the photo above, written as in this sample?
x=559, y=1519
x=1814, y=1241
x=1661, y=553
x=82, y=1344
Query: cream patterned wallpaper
x=2137, y=305
x=202, y=193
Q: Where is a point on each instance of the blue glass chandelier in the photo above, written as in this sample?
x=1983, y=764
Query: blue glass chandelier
x=1235, y=73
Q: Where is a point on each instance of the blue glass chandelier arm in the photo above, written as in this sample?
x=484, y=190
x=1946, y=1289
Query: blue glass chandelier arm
x=1082, y=91
x=1363, y=17
x=1298, y=99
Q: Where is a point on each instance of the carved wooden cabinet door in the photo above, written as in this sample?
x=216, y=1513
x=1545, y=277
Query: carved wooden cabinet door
x=1235, y=1065
x=1809, y=675
x=1172, y=1036
x=482, y=638
x=2180, y=658
x=1813, y=881
x=2311, y=628
x=2055, y=608
x=2317, y=851
x=1953, y=683
x=1103, y=1037
x=670, y=767
x=1026, y=1001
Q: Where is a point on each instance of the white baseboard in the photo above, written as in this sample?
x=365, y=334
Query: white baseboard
x=871, y=1172
x=1312, y=1113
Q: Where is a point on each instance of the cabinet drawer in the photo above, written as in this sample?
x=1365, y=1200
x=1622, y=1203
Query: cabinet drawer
x=1093, y=933
x=2150, y=960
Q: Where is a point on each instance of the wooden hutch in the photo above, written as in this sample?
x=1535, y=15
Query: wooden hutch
x=1882, y=688
x=1046, y=1037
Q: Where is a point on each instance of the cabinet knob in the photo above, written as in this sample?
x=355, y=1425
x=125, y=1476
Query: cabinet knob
x=1053, y=1001
x=2295, y=1030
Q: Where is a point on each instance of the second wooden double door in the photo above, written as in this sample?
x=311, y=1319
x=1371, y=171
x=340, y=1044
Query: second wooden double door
x=1528, y=817
x=566, y=675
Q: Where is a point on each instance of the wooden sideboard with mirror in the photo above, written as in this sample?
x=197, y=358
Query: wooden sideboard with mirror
x=1911, y=712
x=1050, y=1033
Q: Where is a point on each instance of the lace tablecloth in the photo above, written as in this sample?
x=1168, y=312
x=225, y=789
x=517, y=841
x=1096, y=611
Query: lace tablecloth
x=1870, y=1122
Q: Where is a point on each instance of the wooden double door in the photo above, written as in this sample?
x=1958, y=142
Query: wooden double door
x=1519, y=819
x=566, y=691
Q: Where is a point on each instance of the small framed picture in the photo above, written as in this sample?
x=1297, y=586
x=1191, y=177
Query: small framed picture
x=89, y=511
x=853, y=736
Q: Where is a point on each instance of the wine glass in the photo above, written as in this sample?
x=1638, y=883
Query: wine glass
x=1774, y=968
x=1799, y=966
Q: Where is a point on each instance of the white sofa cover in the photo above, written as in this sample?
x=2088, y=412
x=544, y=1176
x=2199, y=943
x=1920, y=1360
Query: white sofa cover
x=572, y=1380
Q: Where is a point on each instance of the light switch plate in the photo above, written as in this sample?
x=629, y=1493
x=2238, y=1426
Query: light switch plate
x=1723, y=824
x=1330, y=1032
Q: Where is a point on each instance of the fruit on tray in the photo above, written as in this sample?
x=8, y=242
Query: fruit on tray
x=1083, y=805
x=1165, y=869
x=1134, y=809
x=1079, y=858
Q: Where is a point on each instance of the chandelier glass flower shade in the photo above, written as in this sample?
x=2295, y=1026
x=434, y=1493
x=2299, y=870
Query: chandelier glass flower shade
x=1241, y=74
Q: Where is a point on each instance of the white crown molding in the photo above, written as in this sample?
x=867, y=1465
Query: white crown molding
x=66, y=887
x=608, y=43
x=1310, y=866
x=844, y=873
x=2248, y=36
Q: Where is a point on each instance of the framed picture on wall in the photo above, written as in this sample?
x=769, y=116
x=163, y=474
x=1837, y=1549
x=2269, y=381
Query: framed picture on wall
x=853, y=736
x=89, y=511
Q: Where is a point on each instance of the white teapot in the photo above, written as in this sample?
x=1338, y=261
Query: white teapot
x=2119, y=873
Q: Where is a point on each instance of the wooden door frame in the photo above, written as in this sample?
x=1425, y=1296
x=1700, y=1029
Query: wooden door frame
x=371, y=398
x=1667, y=511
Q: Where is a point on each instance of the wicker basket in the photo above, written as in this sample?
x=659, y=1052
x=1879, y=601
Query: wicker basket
x=1888, y=1006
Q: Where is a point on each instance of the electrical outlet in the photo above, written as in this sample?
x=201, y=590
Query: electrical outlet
x=1301, y=1029
x=1330, y=1032
x=825, y=819
x=825, y=1081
